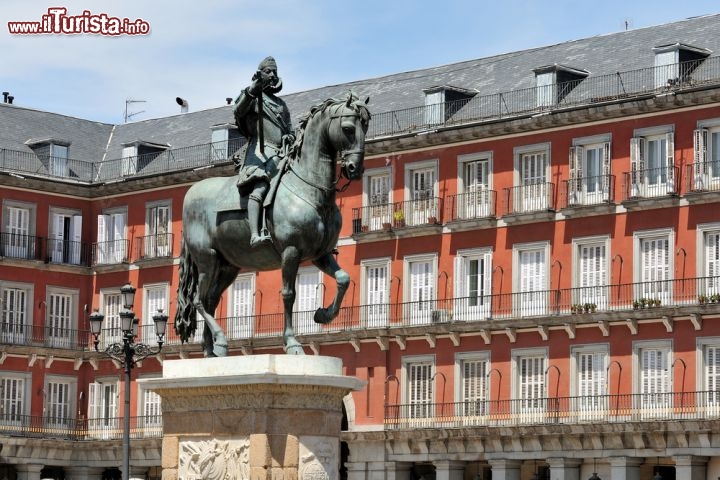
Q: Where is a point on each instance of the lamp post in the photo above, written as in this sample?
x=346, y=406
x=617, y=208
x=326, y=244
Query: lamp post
x=128, y=353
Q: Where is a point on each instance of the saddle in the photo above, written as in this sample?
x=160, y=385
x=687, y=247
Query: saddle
x=240, y=201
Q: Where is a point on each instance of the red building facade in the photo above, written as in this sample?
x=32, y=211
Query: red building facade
x=534, y=253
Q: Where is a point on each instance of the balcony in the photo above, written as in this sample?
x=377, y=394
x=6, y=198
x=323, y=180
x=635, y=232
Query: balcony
x=670, y=406
x=533, y=202
x=154, y=246
x=593, y=195
x=25, y=247
x=660, y=185
x=112, y=252
x=409, y=218
x=78, y=429
x=702, y=182
x=67, y=252
x=471, y=210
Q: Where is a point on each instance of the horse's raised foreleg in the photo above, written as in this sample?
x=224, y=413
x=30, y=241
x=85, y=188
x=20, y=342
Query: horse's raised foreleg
x=330, y=267
x=290, y=264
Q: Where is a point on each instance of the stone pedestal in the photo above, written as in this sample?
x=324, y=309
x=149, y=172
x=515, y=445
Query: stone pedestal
x=258, y=417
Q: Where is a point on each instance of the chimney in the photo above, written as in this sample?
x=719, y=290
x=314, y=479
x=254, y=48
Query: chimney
x=10, y=99
x=5, y=96
x=183, y=104
x=228, y=100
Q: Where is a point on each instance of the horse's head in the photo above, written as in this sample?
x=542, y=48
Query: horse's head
x=348, y=125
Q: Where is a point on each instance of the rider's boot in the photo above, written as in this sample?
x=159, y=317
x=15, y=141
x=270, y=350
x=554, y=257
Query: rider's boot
x=254, y=207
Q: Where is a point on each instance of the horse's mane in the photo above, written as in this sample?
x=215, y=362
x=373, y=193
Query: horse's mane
x=296, y=148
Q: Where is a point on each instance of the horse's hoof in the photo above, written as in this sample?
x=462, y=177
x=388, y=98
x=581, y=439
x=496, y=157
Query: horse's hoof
x=220, y=350
x=321, y=316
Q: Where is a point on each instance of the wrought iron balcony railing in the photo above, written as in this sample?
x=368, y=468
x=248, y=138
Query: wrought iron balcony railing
x=111, y=252
x=651, y=183
x=27, y=247
x=78, y=429
x=702, y=177
x=530, y=198
x=586, y=191
x=471, y=205
x=67, y=252
x=666, y=406
x=154, y=246
x=619, y=86
x=411, y=213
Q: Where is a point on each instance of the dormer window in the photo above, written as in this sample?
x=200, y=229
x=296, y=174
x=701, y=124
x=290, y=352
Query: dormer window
x=675, y=63
x=226, y=140
x=442, y=102
x=139, y=154
x=53, y=154
x=555, y=82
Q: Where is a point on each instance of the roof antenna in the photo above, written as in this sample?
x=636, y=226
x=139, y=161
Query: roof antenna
x=628, y=24
x=128, y=116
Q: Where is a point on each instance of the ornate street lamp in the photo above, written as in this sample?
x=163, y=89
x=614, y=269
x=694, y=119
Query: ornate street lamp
x=128, y=353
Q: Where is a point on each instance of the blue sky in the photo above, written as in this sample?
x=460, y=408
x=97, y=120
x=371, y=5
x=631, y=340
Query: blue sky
x=205, y=51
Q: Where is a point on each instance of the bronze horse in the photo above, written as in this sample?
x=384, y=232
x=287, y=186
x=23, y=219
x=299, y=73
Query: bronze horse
x=304, y=223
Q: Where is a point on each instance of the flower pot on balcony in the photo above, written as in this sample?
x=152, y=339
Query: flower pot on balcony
x=432, y=220
x=386, y=226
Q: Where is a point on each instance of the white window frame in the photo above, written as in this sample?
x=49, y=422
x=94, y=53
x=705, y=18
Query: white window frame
x=220, y=142
x=711, y=398
x=707, y=285
x=528, y=410
x=640, y=183
x=61, y=249
x=24, y=245
x=112, y=248
x=419, y=212
x=464, y=310
x=303, y=318
x=103, y=412
x=150, y=404
x=579, y=191
x=147, y=327
x=374, y=216
x=111, y=328
x=58, y=159
x=65, y=336
x=645, y=288
x=241, y=326
x=156, y=243
x=535, y=196
x=17, y=333
x=650, y=406
x=16, y=418
x=599, y=295
x=419, y=312
x=535, y=302
x=706, y=161
x=472, y=202
x=61, y=421
x=423, y=409
x=589, y=407
x=474, y=409
x=374, y=314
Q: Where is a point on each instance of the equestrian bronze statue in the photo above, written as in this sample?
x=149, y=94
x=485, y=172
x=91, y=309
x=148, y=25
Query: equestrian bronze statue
x=301, y=216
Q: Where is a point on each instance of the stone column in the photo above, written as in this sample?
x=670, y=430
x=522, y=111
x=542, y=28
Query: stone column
x=262, y=417
x=28, y=471
x=83, y=473
x=356, y=470
x=397, y=470
x=505, y=469
x=564, y=468
x=625, y=468
x=690, y=467
x=449, y=470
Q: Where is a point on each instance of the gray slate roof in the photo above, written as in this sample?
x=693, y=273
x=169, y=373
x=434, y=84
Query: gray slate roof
x=599, y=55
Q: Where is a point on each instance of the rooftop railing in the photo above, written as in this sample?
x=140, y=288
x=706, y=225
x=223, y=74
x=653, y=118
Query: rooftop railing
x=592, y=90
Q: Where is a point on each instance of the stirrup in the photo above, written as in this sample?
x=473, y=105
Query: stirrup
x=257, y=240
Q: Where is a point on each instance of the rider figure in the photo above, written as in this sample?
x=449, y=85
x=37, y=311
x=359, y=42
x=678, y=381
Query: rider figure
x=267, y=126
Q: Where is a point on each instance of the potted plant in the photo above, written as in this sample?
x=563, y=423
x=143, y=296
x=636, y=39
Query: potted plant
x=432, y=219
x=702, y=299
x=656, y=302
x=399, y=217
x=636, y=304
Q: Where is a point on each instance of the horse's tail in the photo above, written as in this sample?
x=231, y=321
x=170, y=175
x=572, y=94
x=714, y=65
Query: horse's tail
x=186, y=316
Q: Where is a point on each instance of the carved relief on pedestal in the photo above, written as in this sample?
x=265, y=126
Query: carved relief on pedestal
x=319, y=458
x=214, y=459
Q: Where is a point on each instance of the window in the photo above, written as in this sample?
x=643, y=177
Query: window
x=421, y=206
x=308, y=298
x=530, y=264
x=674, y=63
x=53, y=154
x=138, y=155
x=112, y=240
x=533, y=192
x=591, y=273
x=158, y=237
x=473, y=284
x=652, y=163
x=706, y=166
x=375, y=278
x=472, y=396
x=16, y=312
x=589, y=171
x=64, y=244
x=418, y=384
x=103, y=420
x=708, y=257
x=59, y=395
x=653, y=265
x=421, y=275
x=61, y=315
x=151, y=406
x=655, y=379
x=709, y=374
x=378, y=201
x=18, y=229
x=590, y=381
x=14, y=403
x=155, y=299
x=226, y=140
x=475, y=198
x=529, y=386
x=112, y=306
x=554, y=82
x=242, y=306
